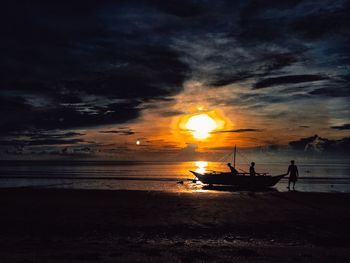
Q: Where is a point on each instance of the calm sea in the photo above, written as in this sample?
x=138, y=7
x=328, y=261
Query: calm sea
x=159, y=176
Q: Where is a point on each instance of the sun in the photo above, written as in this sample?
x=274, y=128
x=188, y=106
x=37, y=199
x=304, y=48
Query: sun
x=201, y=125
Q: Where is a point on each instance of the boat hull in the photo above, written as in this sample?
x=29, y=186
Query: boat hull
x=238, y=180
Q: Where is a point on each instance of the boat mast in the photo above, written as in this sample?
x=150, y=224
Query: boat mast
x=234, y=157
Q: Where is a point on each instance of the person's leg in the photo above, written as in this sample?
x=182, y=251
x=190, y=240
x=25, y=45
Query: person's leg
x=293, y=185
x=288, y=185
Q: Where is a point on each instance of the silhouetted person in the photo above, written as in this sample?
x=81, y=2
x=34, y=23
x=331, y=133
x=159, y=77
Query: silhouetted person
x=293, y=174
x=252, y=169
x=232, y=169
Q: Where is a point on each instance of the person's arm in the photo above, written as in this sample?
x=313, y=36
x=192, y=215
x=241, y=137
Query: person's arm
x=288, y=170
x=297, y=172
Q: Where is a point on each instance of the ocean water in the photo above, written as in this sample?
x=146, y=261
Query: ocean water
x=158, y=176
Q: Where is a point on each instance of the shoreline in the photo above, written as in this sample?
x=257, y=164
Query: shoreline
x=214, y=190
x=120, y=225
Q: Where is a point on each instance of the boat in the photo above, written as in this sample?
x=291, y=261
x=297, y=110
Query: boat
x=238, y=179
x=242, y=180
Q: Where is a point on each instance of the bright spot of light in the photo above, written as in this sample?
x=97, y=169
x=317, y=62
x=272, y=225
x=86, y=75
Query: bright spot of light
x=201, y=125
x=138, y=142
x=201, y=166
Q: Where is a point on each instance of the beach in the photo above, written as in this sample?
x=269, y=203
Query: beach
x=64, y=225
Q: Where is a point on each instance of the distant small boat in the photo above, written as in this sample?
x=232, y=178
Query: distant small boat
x=241, y=180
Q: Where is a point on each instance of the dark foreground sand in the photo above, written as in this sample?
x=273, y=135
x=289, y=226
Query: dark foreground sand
x=38, y=225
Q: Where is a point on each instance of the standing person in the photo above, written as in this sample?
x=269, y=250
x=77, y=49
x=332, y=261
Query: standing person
x=252, y=169
x=293, y=174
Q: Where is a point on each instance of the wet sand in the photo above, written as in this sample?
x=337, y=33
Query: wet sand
x=46, y=225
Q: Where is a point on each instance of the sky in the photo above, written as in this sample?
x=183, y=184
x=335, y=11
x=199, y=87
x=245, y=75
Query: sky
x=121, y=80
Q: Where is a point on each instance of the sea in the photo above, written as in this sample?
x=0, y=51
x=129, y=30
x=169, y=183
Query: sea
x=160, y=176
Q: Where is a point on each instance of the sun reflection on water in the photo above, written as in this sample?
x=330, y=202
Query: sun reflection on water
x=201, y=166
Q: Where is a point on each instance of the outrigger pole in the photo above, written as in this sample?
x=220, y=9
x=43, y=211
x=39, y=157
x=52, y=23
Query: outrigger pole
x=234, y=157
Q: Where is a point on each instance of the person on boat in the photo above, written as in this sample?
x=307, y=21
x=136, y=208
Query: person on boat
x=252, y=169
x=293, y=174
x=232, y=169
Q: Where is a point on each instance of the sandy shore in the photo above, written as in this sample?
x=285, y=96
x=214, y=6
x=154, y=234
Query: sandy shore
x=38, y=225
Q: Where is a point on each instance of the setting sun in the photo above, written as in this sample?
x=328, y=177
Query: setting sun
x=201, y=125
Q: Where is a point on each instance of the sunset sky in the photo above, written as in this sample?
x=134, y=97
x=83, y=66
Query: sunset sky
x=122, y=79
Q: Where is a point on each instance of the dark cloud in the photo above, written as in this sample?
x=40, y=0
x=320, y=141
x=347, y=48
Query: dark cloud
x=68, y=65
x=17, y=142
x=239, y=131
x=121, y=132
x=335, y=92
x=342, y=127
x=51, y=135
x=326, y=22
x=171, y=113
x=290, y=79
x=180, y=8
x=316, y=144
x=71, y=151
x=66, y=116
x=222, y=80
x=23, y=143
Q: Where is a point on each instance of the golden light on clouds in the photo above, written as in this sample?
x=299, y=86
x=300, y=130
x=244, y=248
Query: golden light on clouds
x=200, y=107
x=201, y=125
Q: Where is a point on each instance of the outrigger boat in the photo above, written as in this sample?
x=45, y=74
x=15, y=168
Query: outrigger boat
x=241, y=180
